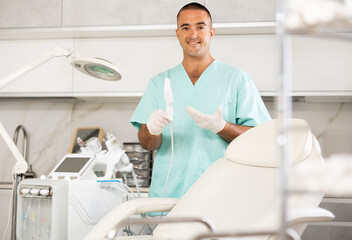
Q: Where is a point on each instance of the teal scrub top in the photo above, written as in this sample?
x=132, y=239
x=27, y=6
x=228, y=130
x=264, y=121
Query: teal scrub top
x=195, y=148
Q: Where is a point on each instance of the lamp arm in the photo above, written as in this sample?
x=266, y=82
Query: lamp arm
x=56, y=52
x=21, y=165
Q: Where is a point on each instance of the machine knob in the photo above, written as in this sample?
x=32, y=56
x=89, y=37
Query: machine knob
x=34, y=191
x=25, y=191
x=44, y=192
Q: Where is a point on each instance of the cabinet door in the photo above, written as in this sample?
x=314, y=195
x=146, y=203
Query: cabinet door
x=139, y=59
x=52, y=76
x=321, y=64
x=255, y=54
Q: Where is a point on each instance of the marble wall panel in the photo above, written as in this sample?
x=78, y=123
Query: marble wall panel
x=5, y=195
x=50, y=125
x=48, y=128
x=329, y=122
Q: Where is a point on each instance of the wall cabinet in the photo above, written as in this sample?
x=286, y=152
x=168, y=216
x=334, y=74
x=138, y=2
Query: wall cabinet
x=139, y=59
x=319, y=66
x=54, y=76
x=142, y=58
x=255, y=54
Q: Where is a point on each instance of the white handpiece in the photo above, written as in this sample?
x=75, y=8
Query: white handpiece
x=168, y=98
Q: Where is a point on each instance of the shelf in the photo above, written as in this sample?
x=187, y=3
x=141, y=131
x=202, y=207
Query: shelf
x=73, y=97
x=268, y=96
x=310, y=93
x=130, y=31
x=310, y=96
x=6, y=185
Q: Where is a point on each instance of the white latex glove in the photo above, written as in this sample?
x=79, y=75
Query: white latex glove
x=212, y=122
x=157, y=121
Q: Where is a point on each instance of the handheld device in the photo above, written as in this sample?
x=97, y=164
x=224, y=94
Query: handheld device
x=169, y=100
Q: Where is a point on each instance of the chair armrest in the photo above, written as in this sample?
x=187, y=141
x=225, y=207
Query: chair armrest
x=309, y=215
x=296, y=216
x=127, y=209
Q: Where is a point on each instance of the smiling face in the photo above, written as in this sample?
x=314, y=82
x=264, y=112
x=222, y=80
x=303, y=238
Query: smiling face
x=194, y=32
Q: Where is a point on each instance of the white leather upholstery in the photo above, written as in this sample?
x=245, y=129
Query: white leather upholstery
x=240, y=191
x=259, y=145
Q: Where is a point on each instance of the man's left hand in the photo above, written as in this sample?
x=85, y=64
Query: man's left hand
x=213, y=122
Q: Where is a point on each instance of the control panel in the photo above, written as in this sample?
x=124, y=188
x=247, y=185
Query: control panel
x=35, y=191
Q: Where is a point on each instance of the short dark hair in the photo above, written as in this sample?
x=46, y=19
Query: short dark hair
x=194, y=6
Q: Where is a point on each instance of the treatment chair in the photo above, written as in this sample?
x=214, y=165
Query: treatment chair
x=238, y=193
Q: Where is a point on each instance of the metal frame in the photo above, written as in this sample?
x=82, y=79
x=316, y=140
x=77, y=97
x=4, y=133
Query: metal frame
x=290, y=232
x=163, y=220
x=284, y=110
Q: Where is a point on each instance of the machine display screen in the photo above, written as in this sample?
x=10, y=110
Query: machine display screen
x=72, y=164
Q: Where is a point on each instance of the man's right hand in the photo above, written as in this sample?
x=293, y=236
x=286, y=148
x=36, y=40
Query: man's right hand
x=157, y=121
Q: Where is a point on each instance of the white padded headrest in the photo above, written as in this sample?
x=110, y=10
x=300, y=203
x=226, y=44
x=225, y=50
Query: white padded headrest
x=258, y=146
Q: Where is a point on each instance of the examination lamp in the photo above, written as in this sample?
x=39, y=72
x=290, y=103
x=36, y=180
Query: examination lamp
x=95, y=67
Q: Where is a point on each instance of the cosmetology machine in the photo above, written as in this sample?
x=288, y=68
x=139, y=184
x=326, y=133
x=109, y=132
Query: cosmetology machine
x=76, y=194
x=95, y=67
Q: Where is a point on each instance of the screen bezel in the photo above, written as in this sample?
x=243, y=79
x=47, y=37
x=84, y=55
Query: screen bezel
x=91, y=158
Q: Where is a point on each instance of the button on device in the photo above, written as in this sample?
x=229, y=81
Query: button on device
x=44, y=192
x=34, y=191
x=25, y=191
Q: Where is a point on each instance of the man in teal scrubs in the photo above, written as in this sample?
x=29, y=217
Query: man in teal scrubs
x=213, y=104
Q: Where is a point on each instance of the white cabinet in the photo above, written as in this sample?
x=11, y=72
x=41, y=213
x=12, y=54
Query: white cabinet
x=54, y=76
x=255, y=54
x=321, y=65
x=139, y=59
